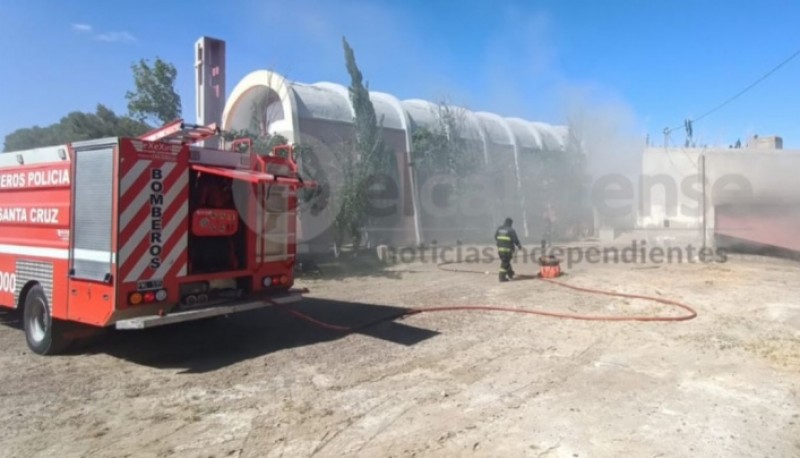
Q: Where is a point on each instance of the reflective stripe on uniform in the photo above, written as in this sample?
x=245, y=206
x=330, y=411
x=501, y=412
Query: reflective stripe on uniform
x=503, y=249
x=504, y=237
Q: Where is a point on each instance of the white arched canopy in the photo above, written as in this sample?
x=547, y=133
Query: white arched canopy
x=257, y=88
x=288, y=102
x=323, y=111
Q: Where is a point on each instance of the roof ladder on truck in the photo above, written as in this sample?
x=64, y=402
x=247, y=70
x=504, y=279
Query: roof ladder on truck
x=182, y=133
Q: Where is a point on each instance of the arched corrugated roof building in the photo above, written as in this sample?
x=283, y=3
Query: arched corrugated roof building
x=321, y=115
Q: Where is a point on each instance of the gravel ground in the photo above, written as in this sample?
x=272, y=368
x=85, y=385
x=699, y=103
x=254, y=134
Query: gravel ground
x=265, y=384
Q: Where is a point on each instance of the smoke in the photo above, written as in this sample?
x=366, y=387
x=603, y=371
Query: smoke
x=607, y=129
x=514, y=71
x=521, y=66
x=525, y=78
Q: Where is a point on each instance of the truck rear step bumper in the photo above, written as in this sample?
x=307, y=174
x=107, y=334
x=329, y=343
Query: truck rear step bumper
x=151, y=321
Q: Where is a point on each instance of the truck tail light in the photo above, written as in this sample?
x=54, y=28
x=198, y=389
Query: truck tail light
x=147, y=297
x=278, y=280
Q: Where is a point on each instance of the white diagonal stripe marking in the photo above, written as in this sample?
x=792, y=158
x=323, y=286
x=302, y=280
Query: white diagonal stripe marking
x=142, y=263
x=169, y=261
x=144, y=229
x=133, y=174
x=142, y=198
x=141, y=230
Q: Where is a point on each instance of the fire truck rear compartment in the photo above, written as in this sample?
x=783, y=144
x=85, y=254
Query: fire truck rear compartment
x=210, y=252
x=217, y=243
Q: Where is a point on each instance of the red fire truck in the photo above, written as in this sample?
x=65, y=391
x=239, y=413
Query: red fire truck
x=140, y=232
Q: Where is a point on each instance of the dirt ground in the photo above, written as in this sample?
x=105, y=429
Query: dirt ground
x=442, y=384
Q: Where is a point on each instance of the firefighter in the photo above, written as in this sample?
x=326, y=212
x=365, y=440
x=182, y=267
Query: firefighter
x=507, y=240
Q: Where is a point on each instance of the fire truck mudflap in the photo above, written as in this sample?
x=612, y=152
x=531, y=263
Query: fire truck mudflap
x=151, y=321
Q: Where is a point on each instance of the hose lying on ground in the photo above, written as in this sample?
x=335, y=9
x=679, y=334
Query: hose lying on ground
x=485, y=308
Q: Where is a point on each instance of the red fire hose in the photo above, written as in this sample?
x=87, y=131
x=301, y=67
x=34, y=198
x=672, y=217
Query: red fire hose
x=485, y=308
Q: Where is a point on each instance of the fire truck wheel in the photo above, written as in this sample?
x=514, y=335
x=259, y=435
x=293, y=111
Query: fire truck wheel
x=45, y=335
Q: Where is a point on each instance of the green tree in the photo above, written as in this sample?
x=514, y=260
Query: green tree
x=447, y=148
x=369, y=145
x=444, y=148
x=310, y=168
x=154, y=98
x=364, y=162
x=75, y=126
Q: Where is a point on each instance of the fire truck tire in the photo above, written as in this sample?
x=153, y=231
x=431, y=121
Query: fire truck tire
x=45, y=336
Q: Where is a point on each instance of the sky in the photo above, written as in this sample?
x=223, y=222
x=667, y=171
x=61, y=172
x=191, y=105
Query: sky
x=644, y=64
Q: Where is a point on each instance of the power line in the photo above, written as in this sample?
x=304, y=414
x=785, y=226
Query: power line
x=742, y=92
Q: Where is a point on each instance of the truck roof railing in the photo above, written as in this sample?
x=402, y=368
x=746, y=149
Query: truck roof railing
x=180, y=132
